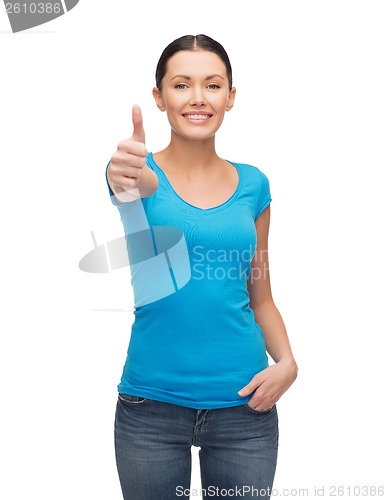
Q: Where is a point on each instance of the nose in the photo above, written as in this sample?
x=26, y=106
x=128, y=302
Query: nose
x=197, y=97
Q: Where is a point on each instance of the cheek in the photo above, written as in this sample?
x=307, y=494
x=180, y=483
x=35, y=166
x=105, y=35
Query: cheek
x=175, y=102
x=225, y=100
x=218, y=102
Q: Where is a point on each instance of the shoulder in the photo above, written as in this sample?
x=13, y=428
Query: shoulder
x=253, y=174
x=257, y=187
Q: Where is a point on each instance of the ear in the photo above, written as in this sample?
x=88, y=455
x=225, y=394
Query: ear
x=158, y=99
x=231, y=99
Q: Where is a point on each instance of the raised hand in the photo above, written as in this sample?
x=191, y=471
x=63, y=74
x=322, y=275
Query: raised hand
x=128, y=163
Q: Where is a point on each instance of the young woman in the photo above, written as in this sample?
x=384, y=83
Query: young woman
x=197, y=370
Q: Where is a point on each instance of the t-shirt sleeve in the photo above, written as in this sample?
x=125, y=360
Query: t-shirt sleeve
x=122, y=203
x=263, y=195
x=111, y=193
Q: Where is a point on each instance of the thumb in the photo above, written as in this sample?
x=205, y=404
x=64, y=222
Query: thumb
x=139, y=132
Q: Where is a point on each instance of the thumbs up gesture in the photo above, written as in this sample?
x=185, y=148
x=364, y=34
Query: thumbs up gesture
x=127, y=169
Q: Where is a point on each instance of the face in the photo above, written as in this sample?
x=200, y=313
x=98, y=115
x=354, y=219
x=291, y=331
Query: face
x=195, y=93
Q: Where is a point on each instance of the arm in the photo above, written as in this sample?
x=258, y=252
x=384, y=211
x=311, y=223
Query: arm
x=259, y=288
x=272, y=382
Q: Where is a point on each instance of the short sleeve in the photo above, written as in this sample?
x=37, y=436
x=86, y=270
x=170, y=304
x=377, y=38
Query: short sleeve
x=263, y=194
x=111, y=193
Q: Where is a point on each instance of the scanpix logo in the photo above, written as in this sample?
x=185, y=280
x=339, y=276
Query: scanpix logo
x=28, y=14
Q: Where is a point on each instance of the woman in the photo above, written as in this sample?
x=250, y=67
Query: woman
x=197, y=370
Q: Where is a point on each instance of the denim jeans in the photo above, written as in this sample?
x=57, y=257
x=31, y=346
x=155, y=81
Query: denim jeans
x=153, y=440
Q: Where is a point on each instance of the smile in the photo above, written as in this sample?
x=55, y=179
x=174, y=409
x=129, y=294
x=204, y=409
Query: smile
x=197, y=117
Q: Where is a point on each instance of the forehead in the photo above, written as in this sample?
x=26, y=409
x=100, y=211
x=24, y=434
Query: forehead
x=195, y=62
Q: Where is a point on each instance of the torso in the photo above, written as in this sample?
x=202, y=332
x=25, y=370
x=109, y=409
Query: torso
x=194, y=341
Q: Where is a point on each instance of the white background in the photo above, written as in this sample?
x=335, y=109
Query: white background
x=310, y=112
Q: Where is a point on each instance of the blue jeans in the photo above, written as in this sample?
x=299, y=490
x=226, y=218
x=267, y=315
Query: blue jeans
x=153, y=440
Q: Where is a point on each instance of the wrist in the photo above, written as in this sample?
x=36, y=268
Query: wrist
x=148, y=182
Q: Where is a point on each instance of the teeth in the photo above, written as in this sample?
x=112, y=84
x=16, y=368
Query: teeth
x=197, y=117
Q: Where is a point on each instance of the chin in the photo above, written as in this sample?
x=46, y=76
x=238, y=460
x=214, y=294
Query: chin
x=195, y=135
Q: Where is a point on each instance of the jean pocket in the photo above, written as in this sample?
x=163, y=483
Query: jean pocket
x=259, y=412
x=129, y=399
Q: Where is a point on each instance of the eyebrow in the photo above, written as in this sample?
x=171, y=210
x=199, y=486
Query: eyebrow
x=186, y=77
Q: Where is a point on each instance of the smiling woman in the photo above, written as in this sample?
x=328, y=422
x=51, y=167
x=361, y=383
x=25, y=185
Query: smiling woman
x=197, y=370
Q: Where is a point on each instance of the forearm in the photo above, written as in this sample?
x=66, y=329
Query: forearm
x=276, y=339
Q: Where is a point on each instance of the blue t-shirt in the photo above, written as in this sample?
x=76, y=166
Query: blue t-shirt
x=194, y=340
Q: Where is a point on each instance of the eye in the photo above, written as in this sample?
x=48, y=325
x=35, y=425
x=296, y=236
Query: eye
x=213, y=86
x=180, y=86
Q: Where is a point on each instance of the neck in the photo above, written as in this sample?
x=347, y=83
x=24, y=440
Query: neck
x=190, y=157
